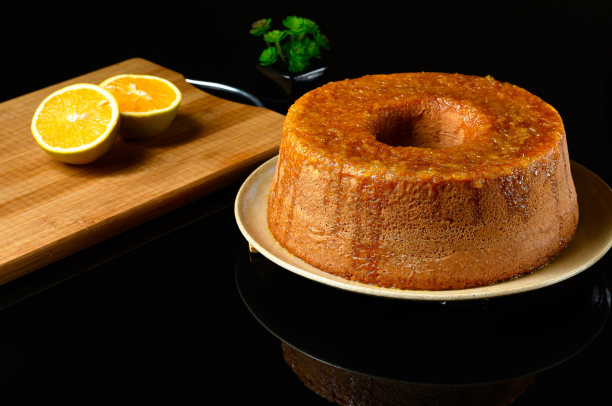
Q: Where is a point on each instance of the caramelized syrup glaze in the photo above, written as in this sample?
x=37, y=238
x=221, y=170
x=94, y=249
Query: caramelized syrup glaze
x=503, y=124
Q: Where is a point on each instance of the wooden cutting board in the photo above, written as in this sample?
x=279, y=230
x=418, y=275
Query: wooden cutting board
x=49, y=210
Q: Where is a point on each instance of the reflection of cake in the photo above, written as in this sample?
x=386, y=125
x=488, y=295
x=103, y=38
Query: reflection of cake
x=423, y=181
x=348, y=388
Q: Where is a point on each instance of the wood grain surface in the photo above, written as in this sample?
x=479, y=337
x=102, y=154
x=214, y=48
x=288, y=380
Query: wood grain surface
x=49, y=210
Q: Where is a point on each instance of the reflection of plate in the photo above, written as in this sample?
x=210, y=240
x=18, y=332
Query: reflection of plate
x=592, y=240
x=465, y=342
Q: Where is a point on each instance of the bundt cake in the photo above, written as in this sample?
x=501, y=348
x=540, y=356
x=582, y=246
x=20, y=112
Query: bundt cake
x=423, y=181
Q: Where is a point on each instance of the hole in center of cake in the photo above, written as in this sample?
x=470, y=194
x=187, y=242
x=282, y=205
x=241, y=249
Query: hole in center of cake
x=422, y=126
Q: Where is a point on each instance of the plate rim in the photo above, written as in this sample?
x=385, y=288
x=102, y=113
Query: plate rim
x=325, y=278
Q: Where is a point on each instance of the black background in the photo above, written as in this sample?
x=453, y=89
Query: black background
x=165, y=321
x=561, y=53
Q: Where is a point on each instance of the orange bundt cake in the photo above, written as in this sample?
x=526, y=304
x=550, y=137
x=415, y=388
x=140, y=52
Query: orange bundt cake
x=423, y=181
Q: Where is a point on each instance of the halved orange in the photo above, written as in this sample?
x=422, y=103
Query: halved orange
x=148, y=104
x=77, y=124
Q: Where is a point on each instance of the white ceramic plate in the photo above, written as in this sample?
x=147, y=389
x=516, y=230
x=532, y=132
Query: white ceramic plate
x=591, y=241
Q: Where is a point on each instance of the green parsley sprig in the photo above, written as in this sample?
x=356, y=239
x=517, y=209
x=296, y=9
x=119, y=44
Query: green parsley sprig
x=304, y=41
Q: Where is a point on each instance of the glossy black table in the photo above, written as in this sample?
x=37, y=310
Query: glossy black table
x=453, y=343
x=164, y=321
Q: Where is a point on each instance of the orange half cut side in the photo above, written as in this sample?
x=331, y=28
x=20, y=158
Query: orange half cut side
x=77, y=124
x=148, y=104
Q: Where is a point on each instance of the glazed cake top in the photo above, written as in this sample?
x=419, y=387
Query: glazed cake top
x=428, y=126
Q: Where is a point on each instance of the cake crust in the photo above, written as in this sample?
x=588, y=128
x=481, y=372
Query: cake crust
x=423, y=181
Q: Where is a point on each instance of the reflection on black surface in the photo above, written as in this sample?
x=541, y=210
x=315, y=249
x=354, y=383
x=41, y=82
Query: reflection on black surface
x=456, y=343
x=165, y=323
x=89, y=258
x=133, y=330
x=348, y=388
